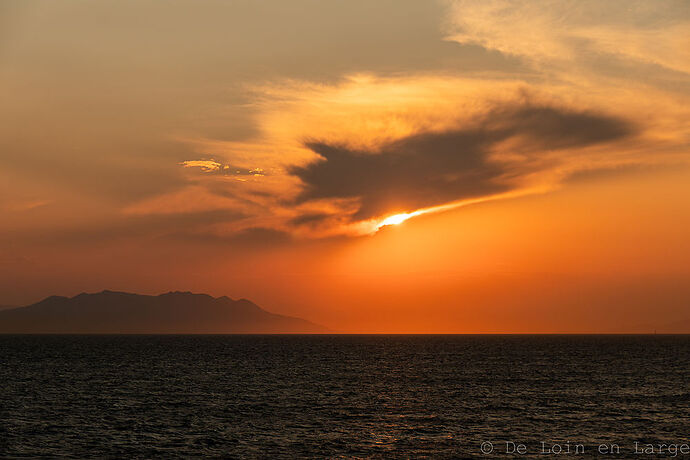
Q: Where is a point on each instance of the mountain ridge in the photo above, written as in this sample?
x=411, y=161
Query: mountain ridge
x=174, y=312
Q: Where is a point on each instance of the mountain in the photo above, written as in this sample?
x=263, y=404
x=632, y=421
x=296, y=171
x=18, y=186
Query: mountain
x=111, y=312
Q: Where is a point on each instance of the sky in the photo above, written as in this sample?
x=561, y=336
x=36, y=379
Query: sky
x=470, y=166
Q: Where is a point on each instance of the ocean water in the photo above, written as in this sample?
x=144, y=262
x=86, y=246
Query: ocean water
x=343, y=396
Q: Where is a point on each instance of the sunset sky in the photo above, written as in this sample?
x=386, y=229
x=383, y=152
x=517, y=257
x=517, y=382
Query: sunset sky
x=531, y=159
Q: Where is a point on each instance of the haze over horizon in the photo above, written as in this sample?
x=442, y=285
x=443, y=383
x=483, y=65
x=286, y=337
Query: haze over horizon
x=469, y=166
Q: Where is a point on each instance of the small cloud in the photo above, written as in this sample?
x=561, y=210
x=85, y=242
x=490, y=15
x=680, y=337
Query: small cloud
x=213, y=166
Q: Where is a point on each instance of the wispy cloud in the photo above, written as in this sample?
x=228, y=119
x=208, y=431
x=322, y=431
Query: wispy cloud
x=567, y=31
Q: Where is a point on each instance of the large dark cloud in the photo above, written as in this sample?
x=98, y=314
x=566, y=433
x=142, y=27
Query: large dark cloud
x=433, y=168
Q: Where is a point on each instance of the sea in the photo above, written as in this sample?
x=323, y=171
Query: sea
x=344, y=396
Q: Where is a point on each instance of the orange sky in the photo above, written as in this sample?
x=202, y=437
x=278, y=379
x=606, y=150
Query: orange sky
x=254, y=150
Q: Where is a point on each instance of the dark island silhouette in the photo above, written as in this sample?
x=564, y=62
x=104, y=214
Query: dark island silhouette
x=110, y=312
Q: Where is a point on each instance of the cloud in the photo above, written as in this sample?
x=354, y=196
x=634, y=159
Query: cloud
x=212, y=166
x=340, y=158
x=563, y=31
x=337, y=158
x=204, y=165
x=434, y=168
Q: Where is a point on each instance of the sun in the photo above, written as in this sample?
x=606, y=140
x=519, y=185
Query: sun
x=396, y=219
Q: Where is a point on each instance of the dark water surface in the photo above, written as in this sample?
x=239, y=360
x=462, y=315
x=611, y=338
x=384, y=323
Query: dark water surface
x=340, y=396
